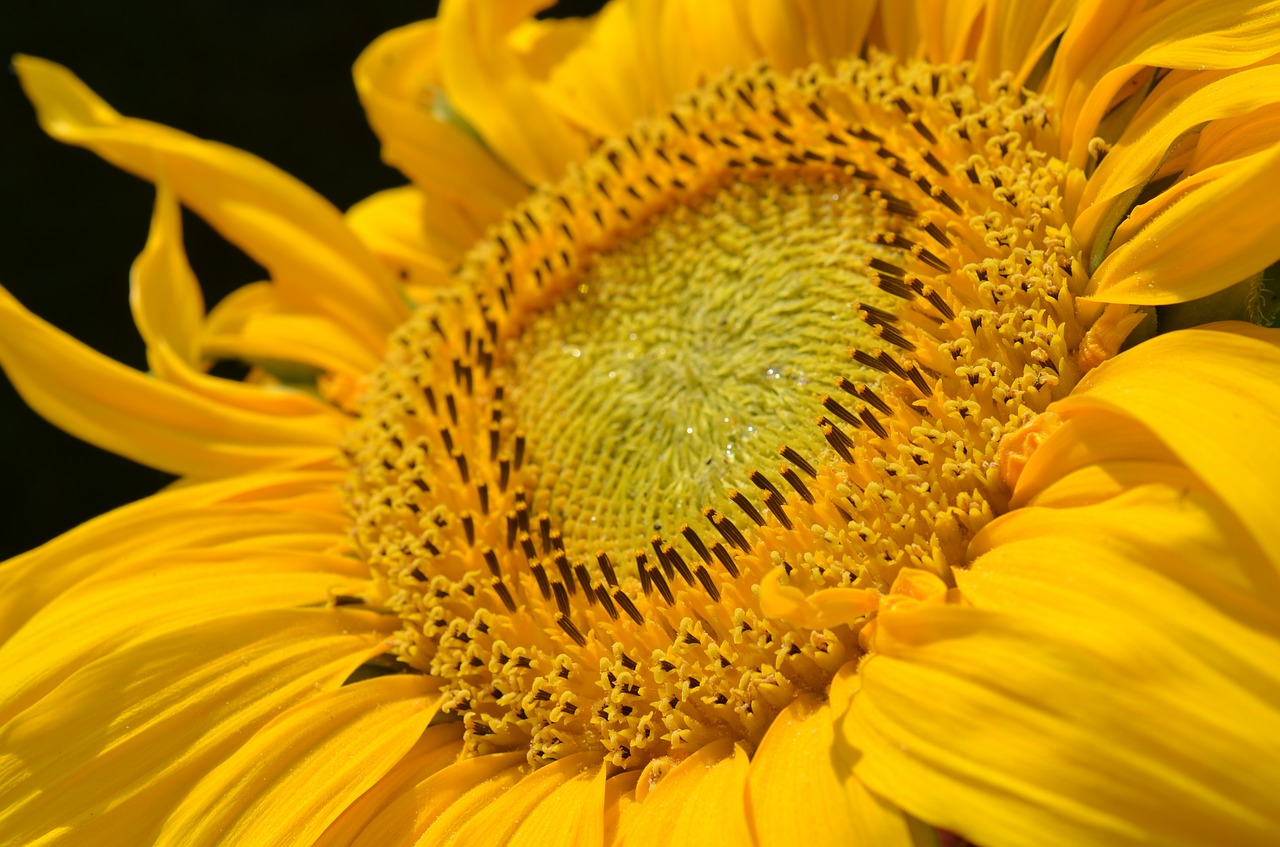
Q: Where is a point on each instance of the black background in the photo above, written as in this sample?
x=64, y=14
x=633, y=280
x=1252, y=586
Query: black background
x=270, y=78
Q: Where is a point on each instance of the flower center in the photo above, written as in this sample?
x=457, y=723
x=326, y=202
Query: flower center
x=644, y=475
x=689, y=351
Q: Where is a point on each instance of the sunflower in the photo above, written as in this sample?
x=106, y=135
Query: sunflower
x=725, y=438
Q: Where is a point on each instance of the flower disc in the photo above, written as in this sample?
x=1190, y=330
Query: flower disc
x=690, y=416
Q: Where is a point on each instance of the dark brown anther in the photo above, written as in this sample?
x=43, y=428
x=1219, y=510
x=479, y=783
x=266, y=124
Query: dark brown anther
x=667, y=567
x=642, y=563
x=504, y=474
x=874, y=316
x=660, y=582
x=893, y=287
x=817, y=110
x=740, y=500
x=695, y=542
x=544, y=532
x=793, y=479
x=834, y=406
x=482, y=492
x=504, y=594
x=917, y=379
x=837, y=439
x=491, y=560
x=606, y=601
x=672, y=555
x=777, y=507
x=461, y=461
x=584, y=580
x=418, y=575
x=728, y=530
x=469, y=527
x=606, y=568
x=562, y=598
x=707, y=584
x=762, y=482
x=873, y=423
x=725, y=558
x=894, y=337
x=519, y=453
x=446, y=438
x=421, y=483
x=799, y=461
x=513, y=527
x=526, y=545
x=935, y=300
x=629, y=607
x=868, y=396
x=571, y=630
x=544, y=584
x=781, y=117
x=931, y=260
x=566, y=571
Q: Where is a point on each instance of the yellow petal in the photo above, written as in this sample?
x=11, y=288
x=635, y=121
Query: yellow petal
x=795, y=35
x=487, y=83
x=438, y=748
x=471, y=791
x=1212, y=397
x=700, y=802
x=298, y=773
x=179, y=591
x=267, y=510
x=398, y=80
x=169, y=311
x=1170, y=112
x=392, y=224
x=286, y=227
x=1089, y=695
x=121, y=410
x=1108, y=43
x=571, y=817
x=799, y=790
x=1212, y=230
x=129, y=734
x=558, y=804
x=1016, y=35
x=469, y=783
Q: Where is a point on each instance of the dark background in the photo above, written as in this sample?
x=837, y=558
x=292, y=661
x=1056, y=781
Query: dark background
x=270, y=78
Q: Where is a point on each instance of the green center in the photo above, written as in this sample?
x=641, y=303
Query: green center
x=690, y=352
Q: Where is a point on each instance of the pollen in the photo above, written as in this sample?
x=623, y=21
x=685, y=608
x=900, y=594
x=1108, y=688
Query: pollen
x=642, y=477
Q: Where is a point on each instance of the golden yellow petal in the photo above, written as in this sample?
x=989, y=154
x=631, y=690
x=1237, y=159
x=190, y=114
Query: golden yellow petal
x=392, y=224
x=169, y=311
x=459, y=793
x=1165, y=253
x=1182, y=386
x=298, y=512
x=800, y=790
x=318, y=264
x=1100, y=690
x=436, y=750
x=1108, y=43
x=130, y=733
x=795, y=35
x=487, y=83
x=572, y=816
x=1173, y=109
x=700, y=803
x=398, y=80
x=180, y=590
x=561, y=803
x=1016, y=35
x=153, y=422
x=293, y=778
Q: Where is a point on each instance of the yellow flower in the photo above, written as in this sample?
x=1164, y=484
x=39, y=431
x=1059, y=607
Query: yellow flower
x=724, y=439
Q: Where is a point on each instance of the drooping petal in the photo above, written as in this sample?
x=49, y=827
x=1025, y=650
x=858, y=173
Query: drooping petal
x=297, y=774
x=129, y=734
x=800, y=789
x=398, y=78
x=298, y=236
x=392, y=224
x=489, y=85
x=145, y=419
x=169, y=311
x=700, y=802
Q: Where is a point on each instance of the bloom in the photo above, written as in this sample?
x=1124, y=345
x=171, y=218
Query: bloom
x=480, y=562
